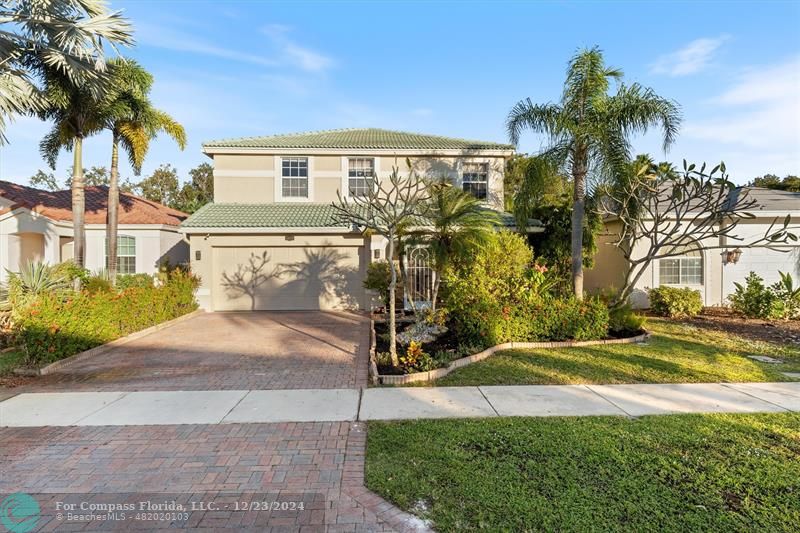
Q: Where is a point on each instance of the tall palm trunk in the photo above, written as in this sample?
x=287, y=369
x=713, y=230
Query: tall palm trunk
x=579, y=171
x=78, y=206
x=113, y=211
x=392, y=287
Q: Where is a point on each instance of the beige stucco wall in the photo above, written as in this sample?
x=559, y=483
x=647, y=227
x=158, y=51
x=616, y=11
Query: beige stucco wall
x=252, y=178
x=216, y=252
x=610, y=268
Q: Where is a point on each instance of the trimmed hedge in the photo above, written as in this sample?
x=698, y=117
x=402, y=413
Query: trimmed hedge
x=55, y=326
x=674, y=302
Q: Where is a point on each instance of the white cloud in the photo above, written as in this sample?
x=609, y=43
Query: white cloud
x=422, y=112
x=691, y=59
x=292, y=53
x=755, y=122
x=173, y=39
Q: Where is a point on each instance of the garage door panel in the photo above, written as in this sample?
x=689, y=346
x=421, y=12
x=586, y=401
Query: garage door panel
x=284, y=278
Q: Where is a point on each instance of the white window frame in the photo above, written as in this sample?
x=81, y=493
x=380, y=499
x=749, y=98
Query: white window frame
x=369, y=179
x=681, y=282
x=119, y=243
x=278, y=186
x=344, y=187
x=462, y=181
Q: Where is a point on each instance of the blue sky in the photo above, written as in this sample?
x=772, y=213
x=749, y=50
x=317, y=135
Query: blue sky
x=230, y=69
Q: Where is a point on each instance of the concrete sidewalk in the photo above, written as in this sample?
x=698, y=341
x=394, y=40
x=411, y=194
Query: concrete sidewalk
x=338, y=405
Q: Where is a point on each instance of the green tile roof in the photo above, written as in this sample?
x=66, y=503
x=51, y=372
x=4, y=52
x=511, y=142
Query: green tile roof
x=287, y=215
x=358, y=138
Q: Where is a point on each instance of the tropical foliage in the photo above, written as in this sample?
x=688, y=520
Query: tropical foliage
x=457, y=222
x=498, y=294
x=53, y=38
x=590, y=131
x=133, y=122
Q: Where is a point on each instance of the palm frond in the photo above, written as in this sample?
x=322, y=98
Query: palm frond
x=635, y=109
x=540, y=118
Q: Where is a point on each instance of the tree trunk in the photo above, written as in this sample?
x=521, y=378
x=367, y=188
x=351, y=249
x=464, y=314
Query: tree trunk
x=78, y=207
x=392, y=322
x=435, y=295
x=578, y=211
x=112, y=221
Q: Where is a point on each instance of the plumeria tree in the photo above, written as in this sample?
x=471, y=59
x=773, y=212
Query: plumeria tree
x=696, y=210
x=386, y=208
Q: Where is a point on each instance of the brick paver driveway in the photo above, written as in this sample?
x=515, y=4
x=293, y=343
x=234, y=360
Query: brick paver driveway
x=315, y=470
x=230, y=351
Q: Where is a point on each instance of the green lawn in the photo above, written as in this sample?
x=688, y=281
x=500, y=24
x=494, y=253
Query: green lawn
x=676, y=353
x=664, y=473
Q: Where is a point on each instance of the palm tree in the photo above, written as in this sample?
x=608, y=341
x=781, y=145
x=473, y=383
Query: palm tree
x=458, y=221
x=75, y=113
x=63, y=36
x=133, y=122
x=589, y=131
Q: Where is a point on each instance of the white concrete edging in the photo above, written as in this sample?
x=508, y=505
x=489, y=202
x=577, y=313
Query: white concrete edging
x=392, y=379
x=103, y=348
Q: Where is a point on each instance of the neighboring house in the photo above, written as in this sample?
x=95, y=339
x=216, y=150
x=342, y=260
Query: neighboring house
x=36, y=225
x=713, y=272
x=270, y=240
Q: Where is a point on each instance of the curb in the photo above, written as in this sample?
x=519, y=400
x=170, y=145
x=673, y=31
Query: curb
x=103, y=348
x=392, y=379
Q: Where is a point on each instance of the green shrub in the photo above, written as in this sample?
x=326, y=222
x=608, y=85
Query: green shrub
x=97, y=283
x=498, y=295
x=378, y=278
x=55, y=326
x=787, y=298
x=127, y=281
x=623, y=321
x=753, y=299
x=674, y=302
x=70, y=271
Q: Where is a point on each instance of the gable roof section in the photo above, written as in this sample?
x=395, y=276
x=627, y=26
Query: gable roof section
x=287, y=216
x=57, y=205
x=358, y=139
x=767, y=199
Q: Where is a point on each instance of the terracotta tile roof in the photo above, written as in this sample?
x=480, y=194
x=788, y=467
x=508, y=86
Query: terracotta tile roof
x=57, y=205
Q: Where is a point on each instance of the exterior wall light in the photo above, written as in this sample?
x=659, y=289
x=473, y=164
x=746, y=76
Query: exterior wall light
x=733, y=256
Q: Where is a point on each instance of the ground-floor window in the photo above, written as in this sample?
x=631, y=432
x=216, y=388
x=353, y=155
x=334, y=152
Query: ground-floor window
x=686, y=269
x=126, y=254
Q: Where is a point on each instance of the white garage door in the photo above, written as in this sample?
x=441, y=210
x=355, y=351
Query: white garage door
x=764, y=262
x=288, y=278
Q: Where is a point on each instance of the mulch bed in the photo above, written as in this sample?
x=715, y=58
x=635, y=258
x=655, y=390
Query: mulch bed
x=776, y=331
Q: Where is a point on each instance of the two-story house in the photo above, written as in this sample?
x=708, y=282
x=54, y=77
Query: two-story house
x=270, y=239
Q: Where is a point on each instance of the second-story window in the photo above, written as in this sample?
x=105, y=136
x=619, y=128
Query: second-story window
x=359, y=175
x=475, y=179
x=294, y=175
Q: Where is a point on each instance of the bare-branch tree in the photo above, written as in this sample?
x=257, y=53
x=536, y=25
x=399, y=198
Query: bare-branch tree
x=690, y=212
x=387, y=207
